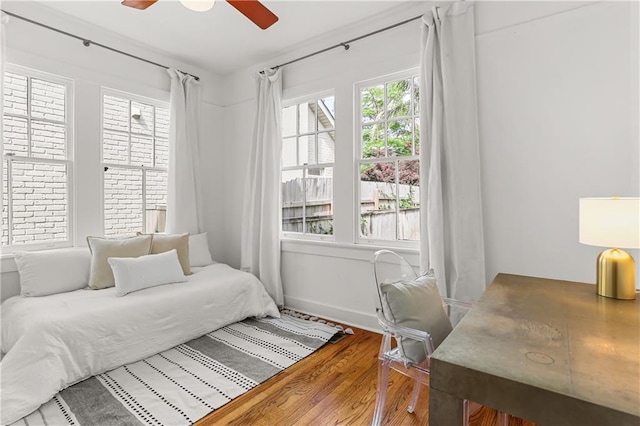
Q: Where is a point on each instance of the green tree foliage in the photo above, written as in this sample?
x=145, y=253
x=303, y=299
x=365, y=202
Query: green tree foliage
x=399, y=131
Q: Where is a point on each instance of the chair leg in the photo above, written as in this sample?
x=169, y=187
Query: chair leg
x=465, y=412
x=381, y=395
x=414, y=395
x=503, y=419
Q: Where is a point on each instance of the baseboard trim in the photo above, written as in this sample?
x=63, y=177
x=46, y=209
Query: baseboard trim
x=348, y=317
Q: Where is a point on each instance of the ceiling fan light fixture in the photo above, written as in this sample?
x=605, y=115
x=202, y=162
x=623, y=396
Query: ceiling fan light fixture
x=198, y=5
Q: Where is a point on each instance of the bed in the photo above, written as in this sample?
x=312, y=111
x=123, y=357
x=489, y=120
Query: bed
x=54, y=341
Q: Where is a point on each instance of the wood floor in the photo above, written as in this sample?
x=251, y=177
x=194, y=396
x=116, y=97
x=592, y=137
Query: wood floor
x=336, y=385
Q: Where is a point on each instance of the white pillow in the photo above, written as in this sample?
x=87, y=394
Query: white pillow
x=53, y=271
x=137, y=273
x=199, y=254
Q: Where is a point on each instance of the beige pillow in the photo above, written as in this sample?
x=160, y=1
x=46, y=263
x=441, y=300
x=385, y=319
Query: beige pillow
x=101, y=275
x=180, y=242
x=416, y=304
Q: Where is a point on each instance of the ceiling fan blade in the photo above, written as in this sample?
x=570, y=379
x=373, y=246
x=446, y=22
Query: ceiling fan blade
x=255, y=11
x=138, y=4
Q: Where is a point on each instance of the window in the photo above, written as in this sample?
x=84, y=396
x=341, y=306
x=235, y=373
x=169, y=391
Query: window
x=308, y=154
x=37, y=161
x=135, y=157
x=388, y=204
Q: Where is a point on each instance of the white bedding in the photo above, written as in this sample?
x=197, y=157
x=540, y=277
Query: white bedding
x=54, y=341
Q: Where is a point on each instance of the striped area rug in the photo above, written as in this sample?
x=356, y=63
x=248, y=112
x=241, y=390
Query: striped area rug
x=185, y=383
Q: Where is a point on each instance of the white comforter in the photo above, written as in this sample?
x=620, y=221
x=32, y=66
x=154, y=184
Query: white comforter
x=54, y=341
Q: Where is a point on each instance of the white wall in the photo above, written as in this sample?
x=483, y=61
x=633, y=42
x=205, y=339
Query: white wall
x=558, y=105
x=90, y=68
x=558, y=110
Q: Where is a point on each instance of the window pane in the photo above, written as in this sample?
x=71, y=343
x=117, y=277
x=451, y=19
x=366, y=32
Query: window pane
x=39, y=193
x=289, y=121
x=15, y=136
x=144, y=123
x=326, y=113
x=326, y=147
x=5, y=200
x=307, y=117
x=115, y=148
x=416, y=134
x=309, y=140
x=162, y=122
x=47, y=100
x=122, y=201
x=399, y=137
x=289, y=152
x=319, y=201
x=399, y=99
x=115, y=113
x=162, y=153
x=15, y=94
x=48, y=140
x=373, y=145
x=307, y=150
x=378, y=215
x=292, y=201
x=372, y=103
x=409, y=196
x=389, y=205
x=156, y=201
x=141, y=151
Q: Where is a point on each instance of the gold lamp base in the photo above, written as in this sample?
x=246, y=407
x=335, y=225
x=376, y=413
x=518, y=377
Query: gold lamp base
x=616, y=275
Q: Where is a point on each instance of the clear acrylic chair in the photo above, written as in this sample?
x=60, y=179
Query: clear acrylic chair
x=389, y=268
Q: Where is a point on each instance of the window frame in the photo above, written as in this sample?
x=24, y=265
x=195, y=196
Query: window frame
x=130, y=97
x=69, y=161
x=358, y=160
x=305, y=167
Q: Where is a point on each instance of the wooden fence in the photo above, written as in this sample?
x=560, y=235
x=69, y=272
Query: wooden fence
x=377, y=208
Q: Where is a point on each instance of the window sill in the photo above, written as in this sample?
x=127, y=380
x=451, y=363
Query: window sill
x=7, y=257
x=7, y=263
x=361, y=252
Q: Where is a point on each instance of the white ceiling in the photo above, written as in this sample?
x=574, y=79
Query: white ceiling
x=222, y=40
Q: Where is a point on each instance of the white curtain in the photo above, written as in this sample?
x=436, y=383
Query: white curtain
x=184, y=200
x=261, y=205
x=451, y=237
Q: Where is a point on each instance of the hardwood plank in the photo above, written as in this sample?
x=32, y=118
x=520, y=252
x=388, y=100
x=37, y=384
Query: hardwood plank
x=335, y=385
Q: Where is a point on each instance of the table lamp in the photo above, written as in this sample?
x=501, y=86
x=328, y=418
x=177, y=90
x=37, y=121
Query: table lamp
x=612, y=222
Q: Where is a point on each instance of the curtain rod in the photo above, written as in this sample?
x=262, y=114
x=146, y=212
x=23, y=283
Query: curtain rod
x=346, y=44
x=88, y=43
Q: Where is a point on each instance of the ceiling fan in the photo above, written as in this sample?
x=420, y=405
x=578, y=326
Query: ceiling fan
x=252, y=9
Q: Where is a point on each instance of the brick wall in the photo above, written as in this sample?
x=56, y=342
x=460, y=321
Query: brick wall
x=39, y=190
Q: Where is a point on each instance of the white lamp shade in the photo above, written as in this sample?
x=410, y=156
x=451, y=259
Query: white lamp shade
x=610, y=222
x=198, y=5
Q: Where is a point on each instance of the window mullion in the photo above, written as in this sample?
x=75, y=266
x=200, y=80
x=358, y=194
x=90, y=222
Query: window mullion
x=129, y=133
x=397, y=178
x=42, y=119
x=144, y=199
x=385, y=123
x=153, y=138
x=9, y=202
x=304, y=200
x=29, y=105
